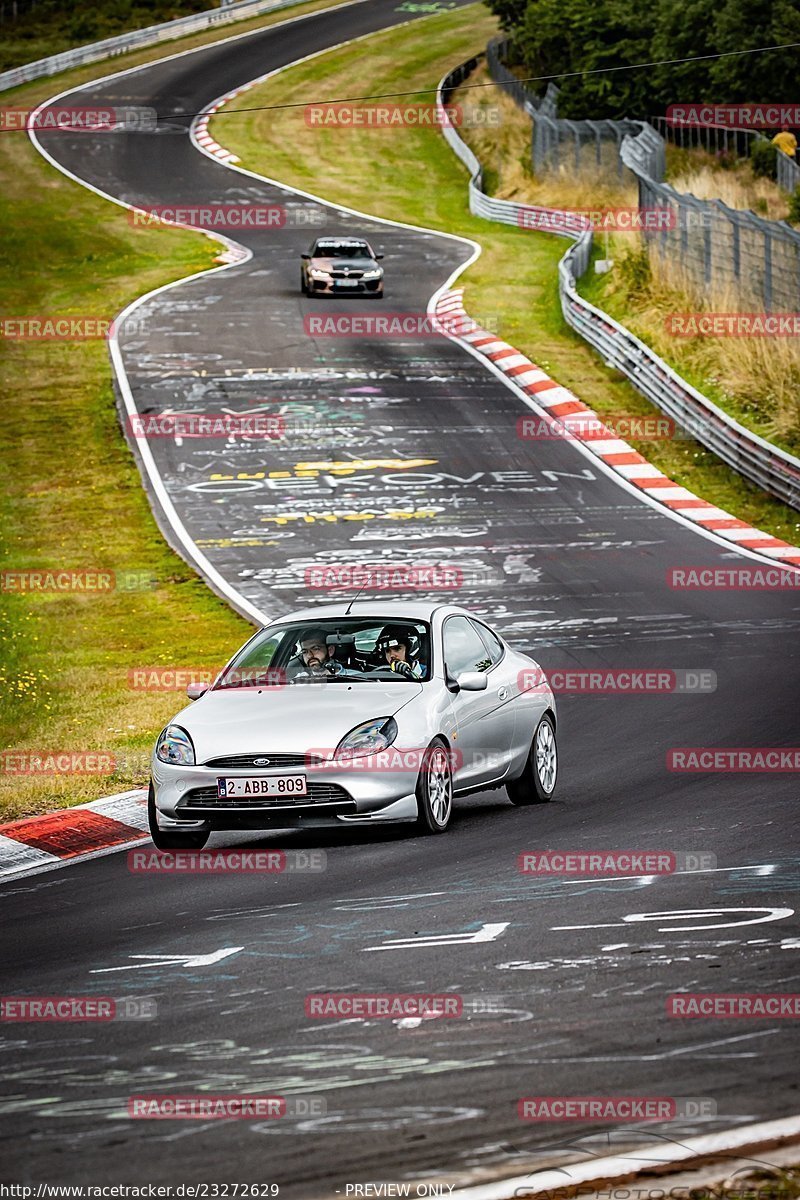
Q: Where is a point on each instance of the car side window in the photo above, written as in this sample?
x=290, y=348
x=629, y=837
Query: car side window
x=464, y=649
x=493, y=643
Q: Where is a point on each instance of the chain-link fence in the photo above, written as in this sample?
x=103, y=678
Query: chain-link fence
x=558, y=144
x=788, y=172
x=752, y=456
x=720, y=250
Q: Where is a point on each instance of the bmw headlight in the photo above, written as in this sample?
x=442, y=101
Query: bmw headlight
x=316, y=273
x=375, y=273
x=368, y=738
x=174, y=746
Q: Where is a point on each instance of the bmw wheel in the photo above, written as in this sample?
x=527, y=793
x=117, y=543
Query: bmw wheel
x=190, y=839
x=537, y=782
x=435, y=789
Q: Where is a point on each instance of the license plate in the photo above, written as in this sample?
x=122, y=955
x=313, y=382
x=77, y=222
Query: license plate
x=347, y=282
x=265, y=785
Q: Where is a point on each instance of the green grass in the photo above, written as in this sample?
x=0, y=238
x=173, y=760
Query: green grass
x=72, y=495
x=415, y=177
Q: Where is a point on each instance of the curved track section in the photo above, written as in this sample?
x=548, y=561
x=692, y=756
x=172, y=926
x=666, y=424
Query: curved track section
x=397, y=450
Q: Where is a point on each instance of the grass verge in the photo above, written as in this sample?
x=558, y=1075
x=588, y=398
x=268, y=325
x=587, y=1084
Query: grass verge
x=413, y=176
x=72, y=496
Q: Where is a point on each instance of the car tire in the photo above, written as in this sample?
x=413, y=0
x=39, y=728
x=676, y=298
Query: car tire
x=537, y=783
x=435, y=789
x=303, y=284
x=191, y=839
x=378, y=295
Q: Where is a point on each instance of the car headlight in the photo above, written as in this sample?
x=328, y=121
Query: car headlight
x=368, y=738
x=373, y=274
x=315, y=273
x=174, y=746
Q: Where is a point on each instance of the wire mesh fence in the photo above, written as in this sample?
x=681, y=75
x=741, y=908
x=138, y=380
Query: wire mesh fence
x=719, y=250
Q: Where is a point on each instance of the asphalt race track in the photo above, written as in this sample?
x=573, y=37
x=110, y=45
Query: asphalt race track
x=569, y=566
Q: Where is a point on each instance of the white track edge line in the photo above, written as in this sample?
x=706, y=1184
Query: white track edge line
x=618, y=1165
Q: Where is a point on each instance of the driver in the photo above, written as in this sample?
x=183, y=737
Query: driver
x=317, y=655
x=394, y=644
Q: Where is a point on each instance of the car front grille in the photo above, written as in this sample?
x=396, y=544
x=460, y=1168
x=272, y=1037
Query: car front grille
x=237, y=761
x=318, y=793
x=346, y=275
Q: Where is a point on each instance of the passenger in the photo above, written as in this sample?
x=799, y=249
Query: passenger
x=394, y=644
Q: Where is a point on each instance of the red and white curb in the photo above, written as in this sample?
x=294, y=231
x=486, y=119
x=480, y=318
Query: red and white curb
x=72, y=834
x=204, y=137
x=573, y=415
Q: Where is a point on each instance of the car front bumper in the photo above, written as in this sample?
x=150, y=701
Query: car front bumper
x=186, y=797
x=340, y=287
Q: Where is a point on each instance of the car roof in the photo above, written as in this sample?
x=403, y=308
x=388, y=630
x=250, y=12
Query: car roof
x=411, y=610
x=341, y=241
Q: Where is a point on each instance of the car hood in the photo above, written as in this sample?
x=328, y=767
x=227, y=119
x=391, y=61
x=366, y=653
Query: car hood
x=287, y=720
x=352, y=264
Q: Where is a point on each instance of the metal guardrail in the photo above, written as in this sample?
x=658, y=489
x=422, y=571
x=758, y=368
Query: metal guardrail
x=769, y=467
x=788, y=172
x=151, y=36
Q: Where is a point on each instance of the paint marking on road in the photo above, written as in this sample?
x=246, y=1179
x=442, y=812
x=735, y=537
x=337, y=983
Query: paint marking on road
x=487, y=933
x=767, y=914
x=173, y=960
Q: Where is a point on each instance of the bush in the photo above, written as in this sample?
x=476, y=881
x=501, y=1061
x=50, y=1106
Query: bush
x=764, y=158
x=794, y=206
x=634, y=267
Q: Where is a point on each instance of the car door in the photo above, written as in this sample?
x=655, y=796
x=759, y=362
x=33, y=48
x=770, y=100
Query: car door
x=484, y=724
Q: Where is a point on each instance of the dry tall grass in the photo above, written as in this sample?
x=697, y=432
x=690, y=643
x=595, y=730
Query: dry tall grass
x=756, y=379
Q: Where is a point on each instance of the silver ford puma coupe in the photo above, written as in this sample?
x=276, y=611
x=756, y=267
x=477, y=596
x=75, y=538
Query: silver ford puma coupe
x=355, y=714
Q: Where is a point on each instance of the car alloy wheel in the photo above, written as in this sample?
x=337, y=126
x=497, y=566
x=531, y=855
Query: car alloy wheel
x=435, y=789
x=537, y=782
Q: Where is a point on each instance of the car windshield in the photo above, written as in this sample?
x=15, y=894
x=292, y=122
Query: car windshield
x=342, y=250
x=333, y=650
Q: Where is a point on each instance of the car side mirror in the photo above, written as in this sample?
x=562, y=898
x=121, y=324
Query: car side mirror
x=305, y=256
x=379, y=256
x=195, y=690
x=471, y=681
